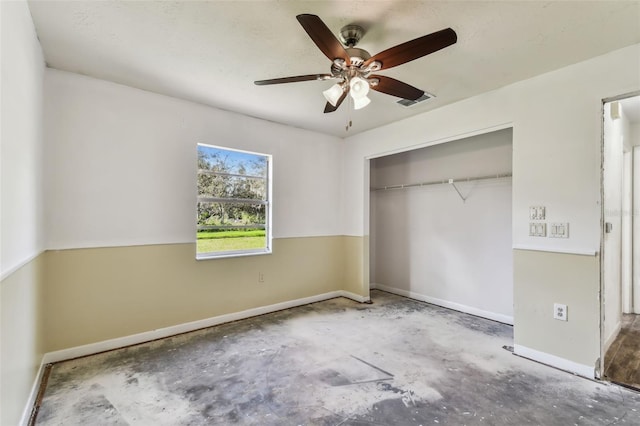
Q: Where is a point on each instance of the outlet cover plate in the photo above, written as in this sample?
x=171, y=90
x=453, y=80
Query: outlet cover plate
x=560, y=312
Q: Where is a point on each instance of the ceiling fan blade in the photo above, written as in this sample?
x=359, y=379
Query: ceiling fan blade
x=330, y=108
x=323, y=37
x=414, y=49
x=394, y=87
x=294, y=79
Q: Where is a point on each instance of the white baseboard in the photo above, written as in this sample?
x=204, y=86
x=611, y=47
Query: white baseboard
x=353, y=296
x=506, y=319
x=33, y=395
x=555, y=361
x=160, y=333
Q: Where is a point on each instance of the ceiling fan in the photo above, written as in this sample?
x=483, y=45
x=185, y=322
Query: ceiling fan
x=354, y=67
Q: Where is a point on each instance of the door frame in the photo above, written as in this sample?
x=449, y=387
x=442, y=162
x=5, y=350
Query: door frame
x=599, y=373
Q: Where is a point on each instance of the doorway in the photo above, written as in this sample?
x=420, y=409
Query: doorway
x=620, y=310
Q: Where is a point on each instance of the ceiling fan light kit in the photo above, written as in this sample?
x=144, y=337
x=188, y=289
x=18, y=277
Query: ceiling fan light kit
x=333, y=93
x=359, y=103
x=359, y=87
x=353, y=67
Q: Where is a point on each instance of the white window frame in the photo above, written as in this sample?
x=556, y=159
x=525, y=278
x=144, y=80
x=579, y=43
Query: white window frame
x=267, y=203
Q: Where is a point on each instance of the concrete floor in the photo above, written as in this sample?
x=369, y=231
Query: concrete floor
x=622, y=361
x=395, y=362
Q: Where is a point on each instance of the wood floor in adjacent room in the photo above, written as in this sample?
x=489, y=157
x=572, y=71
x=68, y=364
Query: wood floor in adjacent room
x=394, y=362
x=622, y=360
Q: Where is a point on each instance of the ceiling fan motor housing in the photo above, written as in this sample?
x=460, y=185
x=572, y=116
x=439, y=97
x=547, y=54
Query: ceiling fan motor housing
x=357, y=55
x=351, y=34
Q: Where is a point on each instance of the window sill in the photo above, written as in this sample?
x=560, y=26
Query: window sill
x=228, y=254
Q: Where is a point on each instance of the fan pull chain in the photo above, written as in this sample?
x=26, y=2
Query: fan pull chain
x=350, y=108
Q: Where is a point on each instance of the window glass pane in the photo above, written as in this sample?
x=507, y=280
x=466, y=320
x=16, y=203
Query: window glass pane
x=225, y=186
x=224, y=227
x=233, y=205
x=223, y=240
x=229, y=214
x=232, y=162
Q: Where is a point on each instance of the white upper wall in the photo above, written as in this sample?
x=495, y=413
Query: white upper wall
x=556, y=119
x=121, y=166
x=21, y=211
x=121, y=171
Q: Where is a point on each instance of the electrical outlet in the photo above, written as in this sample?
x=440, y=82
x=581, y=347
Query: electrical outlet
x=260, y=277
x=560, y=312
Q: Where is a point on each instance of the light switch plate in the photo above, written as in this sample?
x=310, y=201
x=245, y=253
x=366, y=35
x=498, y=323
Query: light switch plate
x=537, y=229
x=542, y=214
x=533, y=213
x=559, y=230
x=537, y=213
x=542, y=229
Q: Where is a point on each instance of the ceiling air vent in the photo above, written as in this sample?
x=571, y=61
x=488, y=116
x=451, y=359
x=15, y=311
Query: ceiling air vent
x=409, y=102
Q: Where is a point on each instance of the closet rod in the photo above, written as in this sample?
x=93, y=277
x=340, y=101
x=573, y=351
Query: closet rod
x=444, y=181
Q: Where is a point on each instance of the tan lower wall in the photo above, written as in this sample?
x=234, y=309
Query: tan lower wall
x=21, y=337
x=93, y=295
x=356, y=265
x=542, y=279
x=99, y=294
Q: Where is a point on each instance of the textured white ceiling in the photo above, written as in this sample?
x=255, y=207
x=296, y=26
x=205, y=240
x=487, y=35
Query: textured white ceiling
x=211, y=52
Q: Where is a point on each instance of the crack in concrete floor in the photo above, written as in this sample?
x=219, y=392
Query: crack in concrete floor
x=395, y=362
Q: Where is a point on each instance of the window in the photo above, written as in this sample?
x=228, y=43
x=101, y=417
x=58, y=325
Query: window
x=234, y=211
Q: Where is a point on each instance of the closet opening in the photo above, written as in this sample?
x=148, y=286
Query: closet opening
x=441, y=224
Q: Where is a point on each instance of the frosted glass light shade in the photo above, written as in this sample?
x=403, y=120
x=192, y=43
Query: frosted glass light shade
x=359, y=88
x=333, y=93
x=361, y=102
